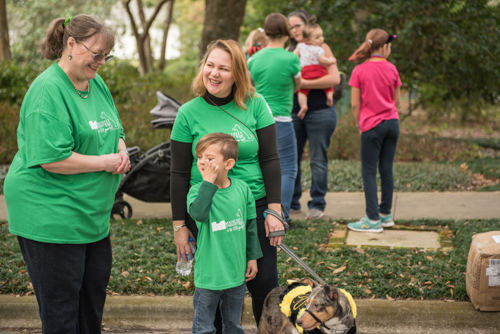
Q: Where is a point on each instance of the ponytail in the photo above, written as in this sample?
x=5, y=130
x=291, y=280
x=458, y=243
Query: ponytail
x=375, y=39
x=51, y=47
x=80, y=27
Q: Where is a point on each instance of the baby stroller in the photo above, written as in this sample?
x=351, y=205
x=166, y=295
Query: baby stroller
x=149, y=177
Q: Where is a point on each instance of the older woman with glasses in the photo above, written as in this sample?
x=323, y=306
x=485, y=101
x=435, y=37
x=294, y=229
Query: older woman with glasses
x=317, y=126
x=61, y=185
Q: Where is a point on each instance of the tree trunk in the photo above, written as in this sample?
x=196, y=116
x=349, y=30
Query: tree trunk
x=166, y=27
x=222, y=20
x=148, y=54
x=140, y=38
x=4, y=32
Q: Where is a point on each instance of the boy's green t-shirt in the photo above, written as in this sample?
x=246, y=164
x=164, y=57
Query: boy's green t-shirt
x=197, y=118
x=272, y=71
x=221, y=256
x=55, y=122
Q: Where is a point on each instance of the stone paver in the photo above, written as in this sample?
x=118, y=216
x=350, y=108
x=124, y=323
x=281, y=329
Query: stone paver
x=394, y=238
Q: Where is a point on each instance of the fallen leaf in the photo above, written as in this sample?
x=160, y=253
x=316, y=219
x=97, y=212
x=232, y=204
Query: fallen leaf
x=139, y=222
x=449, y=300
x=367, y=291
x=125, y=273
x=295, y=248
x=338, y=270
x=402, y=276
x=464, y=167
x=389, y=297
x=187, y=285
x=373, y=297
x=428, y=283
x=429, y=258
x=379, y=266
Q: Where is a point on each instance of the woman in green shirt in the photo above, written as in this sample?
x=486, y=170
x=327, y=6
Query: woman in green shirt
x=227, y=103
x=61, y=185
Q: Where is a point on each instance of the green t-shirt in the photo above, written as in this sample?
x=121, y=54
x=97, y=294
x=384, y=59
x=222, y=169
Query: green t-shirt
x=197, y=118
x=272, y=71
x=54, y=122
x=223, y=238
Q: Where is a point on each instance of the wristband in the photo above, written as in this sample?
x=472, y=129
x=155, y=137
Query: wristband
x=123, y=149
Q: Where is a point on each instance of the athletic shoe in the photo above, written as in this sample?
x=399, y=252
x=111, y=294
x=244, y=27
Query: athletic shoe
x=315, y=214
x=294, y=211
x=366, y=225
x=386, y=221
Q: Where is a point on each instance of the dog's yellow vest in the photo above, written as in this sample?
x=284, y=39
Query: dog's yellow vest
x=294, y=302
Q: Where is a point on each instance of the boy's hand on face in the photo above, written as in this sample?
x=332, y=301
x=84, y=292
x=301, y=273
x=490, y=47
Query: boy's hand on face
x=210, y=172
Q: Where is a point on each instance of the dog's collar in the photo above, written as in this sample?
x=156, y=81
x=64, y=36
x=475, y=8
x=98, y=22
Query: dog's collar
x=321, y=323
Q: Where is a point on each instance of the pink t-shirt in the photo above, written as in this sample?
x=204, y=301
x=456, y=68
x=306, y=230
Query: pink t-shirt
x=376, y=80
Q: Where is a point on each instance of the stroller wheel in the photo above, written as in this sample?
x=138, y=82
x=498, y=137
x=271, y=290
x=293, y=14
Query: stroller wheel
x=122, y=208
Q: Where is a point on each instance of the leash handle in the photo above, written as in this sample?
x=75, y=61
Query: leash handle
x=281, y=218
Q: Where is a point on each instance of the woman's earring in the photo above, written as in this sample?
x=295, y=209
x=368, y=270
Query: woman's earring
x=70, y=57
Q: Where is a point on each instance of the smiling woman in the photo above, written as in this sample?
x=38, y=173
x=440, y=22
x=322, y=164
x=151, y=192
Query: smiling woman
x=227, y=103
x=61, y=185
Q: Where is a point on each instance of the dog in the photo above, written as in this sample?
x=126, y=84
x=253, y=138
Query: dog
x=324, y=310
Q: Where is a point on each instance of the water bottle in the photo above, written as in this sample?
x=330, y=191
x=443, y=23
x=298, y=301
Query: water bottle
x=184, y=268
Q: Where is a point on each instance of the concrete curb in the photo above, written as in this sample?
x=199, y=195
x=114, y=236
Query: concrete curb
x=374, y=316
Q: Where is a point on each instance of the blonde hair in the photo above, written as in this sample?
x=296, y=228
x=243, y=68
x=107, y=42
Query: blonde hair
x=227, y=144
x=80, y=27
x=256, y=36
x=375, y=39
x=242, y=87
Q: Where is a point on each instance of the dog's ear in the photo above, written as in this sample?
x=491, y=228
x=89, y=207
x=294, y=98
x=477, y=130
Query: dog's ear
x=331, y=292
x=307, y=280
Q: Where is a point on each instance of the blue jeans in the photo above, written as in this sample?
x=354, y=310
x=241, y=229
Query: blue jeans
x=70, y=283
x=317, y=127
x=287, y=147
x=378, y=146
x=230, y=302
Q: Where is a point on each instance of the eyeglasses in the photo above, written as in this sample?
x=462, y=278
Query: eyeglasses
x=295, y=26
x=97, y=56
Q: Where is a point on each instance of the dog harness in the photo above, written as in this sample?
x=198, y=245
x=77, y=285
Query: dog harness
x=294, y=302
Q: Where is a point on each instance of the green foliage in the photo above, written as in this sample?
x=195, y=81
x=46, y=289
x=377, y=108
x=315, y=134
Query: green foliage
x=144, y=262
x=489, y=167
x=447, y=49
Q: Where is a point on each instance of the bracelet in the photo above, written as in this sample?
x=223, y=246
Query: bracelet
x=123, y=149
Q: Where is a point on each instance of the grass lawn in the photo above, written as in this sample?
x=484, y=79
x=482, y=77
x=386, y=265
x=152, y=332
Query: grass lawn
x=144, y=262
x=345, y=176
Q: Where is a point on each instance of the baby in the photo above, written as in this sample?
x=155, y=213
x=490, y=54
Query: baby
x=312, y=58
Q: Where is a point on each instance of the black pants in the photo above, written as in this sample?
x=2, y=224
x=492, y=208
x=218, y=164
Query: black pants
x=378, y=146
x=267, y=275
x=70, y=283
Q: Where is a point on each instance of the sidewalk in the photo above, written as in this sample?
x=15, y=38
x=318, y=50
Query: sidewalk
x=439, y=205
x=173, y=315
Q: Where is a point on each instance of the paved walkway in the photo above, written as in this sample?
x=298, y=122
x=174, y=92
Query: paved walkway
x=173, y=315
x=439, y=205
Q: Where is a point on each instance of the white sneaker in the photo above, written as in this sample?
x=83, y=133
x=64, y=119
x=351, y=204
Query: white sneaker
x=315, y=214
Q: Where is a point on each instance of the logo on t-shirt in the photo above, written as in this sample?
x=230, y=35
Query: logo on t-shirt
x=230, y=226
x=106, y=124
x=240, y=134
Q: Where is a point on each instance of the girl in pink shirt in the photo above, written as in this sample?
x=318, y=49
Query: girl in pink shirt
x=375, y=95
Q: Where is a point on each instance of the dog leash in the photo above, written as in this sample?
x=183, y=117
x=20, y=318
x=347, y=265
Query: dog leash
x=284, y=247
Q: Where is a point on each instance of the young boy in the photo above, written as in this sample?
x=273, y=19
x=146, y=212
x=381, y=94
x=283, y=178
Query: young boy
x=312, y=58
x=228, y=245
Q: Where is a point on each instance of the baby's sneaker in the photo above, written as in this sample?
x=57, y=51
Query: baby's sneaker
x=386, y=221
x=366, y=225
